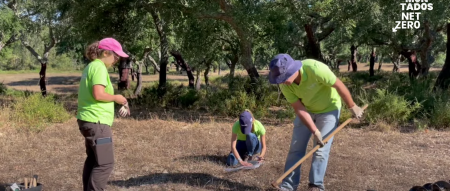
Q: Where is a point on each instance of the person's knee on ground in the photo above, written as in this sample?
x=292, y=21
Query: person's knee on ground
x=253, y=145
x=231, y=160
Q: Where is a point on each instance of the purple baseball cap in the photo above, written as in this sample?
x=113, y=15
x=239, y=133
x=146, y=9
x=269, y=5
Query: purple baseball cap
x=245, y=120
x=113, y=45
x=282, y=67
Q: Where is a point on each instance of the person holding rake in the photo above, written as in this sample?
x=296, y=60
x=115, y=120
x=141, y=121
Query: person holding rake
x=315, y=94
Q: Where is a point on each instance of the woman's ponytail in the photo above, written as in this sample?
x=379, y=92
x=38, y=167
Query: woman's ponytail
x=92, y=51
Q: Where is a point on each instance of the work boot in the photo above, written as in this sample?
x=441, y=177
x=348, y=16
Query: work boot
x=314, y=188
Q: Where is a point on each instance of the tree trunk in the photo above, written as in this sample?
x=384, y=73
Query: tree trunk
x=164, y=51
x=413, y=63
x=123, y=74
x=138, y=89
x=380, y=63
x=396, y=61
x=232, y=65
x=425, y=50
x=123, y=79
x=42, y=79
x=43, y=60
x=443, y=80
x=198, y=82
x=218, y=67
x=245, y=41
x=155, y=65
x=180, y=61
x=208, y=67
x=338, y=61
x=372, y=62
x=312, y=44
x=11, y=40
x=247, y=61
x=354, y=51
x=349, y=64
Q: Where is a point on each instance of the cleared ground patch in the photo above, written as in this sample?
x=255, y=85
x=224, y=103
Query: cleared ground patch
x=155, y=154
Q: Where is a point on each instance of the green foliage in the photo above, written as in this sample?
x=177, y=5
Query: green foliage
x=219, y=99
x=345, y=114
x=390, y=107
x=35, y=112
x=392, y=98
x=440, y=60
x=440, y=116
x=3, y=89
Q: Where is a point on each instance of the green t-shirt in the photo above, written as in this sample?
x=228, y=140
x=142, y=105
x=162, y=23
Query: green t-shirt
x=315, y=89
x=258, y=130
x=89, y=109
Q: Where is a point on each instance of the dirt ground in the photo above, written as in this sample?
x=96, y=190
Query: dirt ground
x=164, y=152
x=67, y=83
x=169, y=151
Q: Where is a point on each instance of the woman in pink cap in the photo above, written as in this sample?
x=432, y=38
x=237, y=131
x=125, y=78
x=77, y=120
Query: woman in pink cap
x=95, y=112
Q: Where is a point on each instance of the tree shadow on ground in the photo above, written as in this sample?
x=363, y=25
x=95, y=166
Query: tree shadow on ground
x=218, y=159
x=53, y=80
x=3, y=186
x=193, y=116
x=65, y=90
x=200, y=180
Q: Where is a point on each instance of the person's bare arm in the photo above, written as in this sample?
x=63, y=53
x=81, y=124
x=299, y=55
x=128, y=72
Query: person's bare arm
x=344, y=93
x=263, y=142
x=304, y=116
x=100, y=94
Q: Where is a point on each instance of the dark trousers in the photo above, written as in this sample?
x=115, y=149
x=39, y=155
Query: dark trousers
x=100, y=155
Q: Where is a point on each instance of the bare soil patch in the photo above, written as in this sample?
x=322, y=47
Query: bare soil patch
x=155, y=154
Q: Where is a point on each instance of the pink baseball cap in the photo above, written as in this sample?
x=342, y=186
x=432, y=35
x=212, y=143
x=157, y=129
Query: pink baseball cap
x=112, y=44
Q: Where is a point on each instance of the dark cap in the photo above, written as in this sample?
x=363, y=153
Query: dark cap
x=245, y=120
x=282, y=67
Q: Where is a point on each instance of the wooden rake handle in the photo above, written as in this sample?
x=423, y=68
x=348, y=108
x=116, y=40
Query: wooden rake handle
x=278, y=181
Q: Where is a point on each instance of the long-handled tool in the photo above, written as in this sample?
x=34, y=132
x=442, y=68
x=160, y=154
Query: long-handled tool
x=278, y=181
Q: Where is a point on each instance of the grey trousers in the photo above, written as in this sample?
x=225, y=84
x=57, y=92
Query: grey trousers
x=100, y=155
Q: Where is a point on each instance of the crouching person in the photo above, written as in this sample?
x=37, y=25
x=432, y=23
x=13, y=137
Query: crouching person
x=247, y=140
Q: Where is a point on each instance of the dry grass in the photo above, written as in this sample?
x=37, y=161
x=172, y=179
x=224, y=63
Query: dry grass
x=155, y=154
x=179, y=151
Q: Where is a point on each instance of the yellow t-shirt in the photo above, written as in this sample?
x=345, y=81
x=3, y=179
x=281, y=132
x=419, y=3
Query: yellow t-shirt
x=315, y=89
x=258, y=130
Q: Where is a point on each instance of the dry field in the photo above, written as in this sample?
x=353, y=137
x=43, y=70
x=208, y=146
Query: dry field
x=173, y=151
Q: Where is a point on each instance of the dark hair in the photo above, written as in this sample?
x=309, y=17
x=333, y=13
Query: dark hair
x=93, y=52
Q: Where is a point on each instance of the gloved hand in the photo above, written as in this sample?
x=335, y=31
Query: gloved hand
x=357, y=111
x=124, y=110
x=318, y=138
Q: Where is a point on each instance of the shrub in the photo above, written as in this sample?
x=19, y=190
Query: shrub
x=35, y=111
x=440, y=116
x=3, y=89
x=390, y=107
x=189, y=98
x=345, y=114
